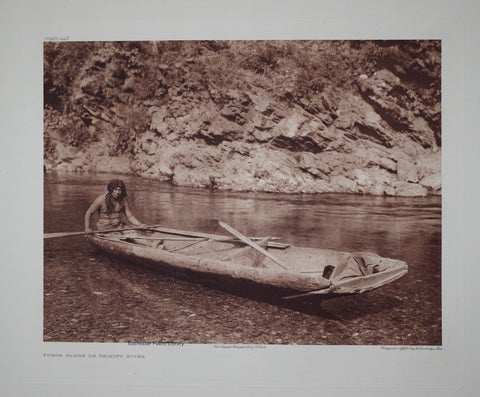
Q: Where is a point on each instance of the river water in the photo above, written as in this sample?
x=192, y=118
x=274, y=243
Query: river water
x=90, y=297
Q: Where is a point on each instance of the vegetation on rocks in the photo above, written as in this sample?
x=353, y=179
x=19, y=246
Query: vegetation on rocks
x=277, y=116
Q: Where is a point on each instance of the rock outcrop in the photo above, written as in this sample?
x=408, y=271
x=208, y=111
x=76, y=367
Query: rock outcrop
x=311, y=117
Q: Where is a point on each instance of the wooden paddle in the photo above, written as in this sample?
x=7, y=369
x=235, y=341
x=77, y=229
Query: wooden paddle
x=68, y=234
x=214, y=237
x=249, y=242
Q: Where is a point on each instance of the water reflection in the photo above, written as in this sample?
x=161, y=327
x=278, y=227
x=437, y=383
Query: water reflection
x=405, y=228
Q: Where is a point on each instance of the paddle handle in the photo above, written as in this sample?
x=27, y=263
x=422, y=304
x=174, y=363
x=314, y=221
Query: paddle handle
x=249, y=242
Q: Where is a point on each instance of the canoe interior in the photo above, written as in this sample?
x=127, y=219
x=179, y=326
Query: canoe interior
x=309, y=270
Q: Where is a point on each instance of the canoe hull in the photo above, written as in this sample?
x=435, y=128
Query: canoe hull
x=231, y=263
x=208, y=267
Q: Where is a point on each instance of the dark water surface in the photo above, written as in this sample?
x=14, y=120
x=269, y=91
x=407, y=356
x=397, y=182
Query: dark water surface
x=89, y=297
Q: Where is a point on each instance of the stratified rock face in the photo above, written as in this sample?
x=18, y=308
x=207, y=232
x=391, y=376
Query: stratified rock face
x=313, y=117
x=398, y=105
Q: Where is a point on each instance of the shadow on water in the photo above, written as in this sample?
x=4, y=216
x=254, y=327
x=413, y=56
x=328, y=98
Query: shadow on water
x=338, y=307
x=343, y=308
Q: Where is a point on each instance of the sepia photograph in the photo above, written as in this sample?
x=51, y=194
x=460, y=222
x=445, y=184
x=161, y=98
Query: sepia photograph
x=258, y=198
x=252, y=192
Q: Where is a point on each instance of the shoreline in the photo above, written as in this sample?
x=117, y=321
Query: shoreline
x=227, y=189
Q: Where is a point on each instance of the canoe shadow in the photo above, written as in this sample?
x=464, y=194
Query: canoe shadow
x=338, y=308
x=348, y=308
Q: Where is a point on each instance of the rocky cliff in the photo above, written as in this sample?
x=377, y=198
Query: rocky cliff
x=277, y=116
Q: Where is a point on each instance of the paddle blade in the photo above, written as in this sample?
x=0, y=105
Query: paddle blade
x=64, y=234
x=68, y=234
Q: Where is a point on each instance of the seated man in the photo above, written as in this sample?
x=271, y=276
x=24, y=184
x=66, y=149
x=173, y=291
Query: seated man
x=110, y=207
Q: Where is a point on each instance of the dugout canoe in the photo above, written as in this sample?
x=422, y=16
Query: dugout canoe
x=297, y=271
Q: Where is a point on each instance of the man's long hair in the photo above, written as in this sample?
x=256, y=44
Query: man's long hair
x=109, y=199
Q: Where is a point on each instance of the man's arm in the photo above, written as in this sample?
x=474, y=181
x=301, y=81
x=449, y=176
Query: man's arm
x=92, y=209
x=130, y=216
